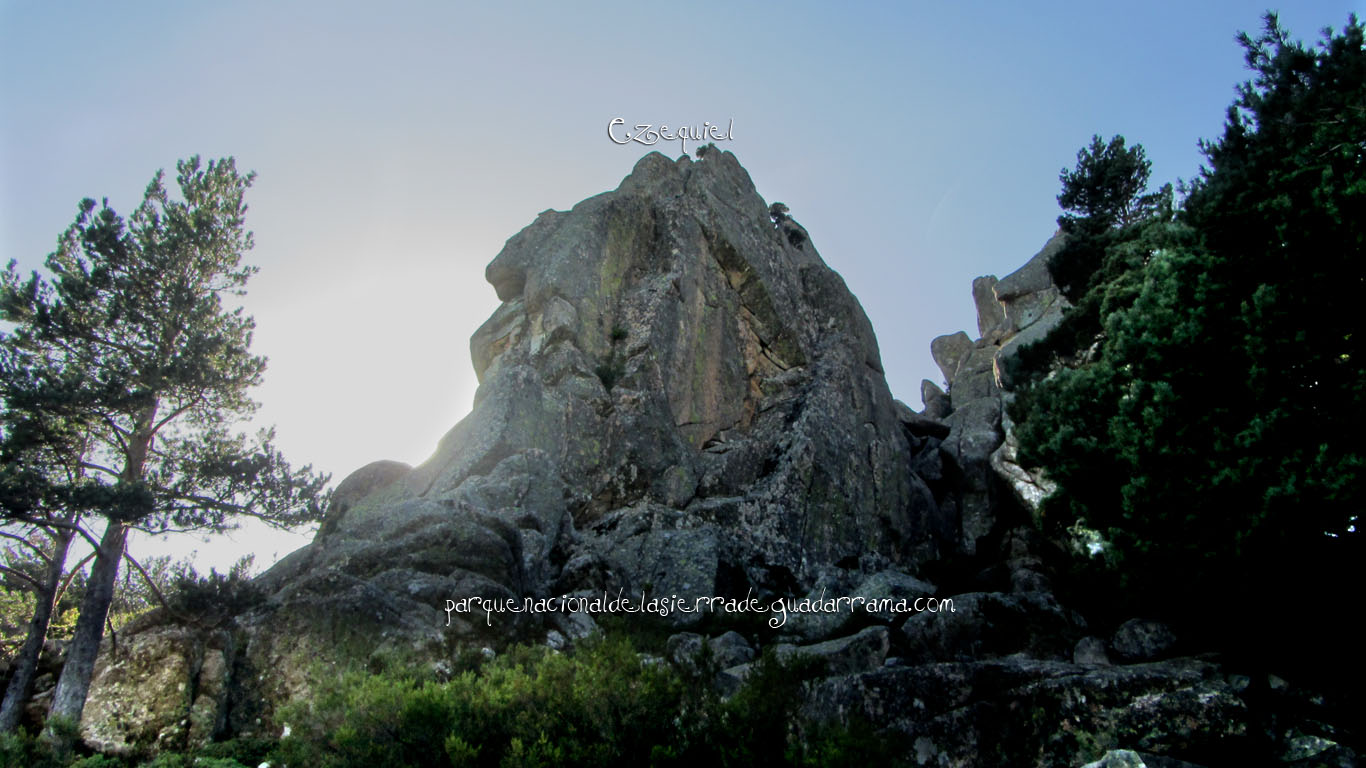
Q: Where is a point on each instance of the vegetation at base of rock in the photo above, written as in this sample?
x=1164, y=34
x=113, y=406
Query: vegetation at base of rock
x=1202, y=403
x=601, y=705
x=20, y=750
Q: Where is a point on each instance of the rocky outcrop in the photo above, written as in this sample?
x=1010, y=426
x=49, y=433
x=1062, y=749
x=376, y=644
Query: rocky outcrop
x=1031, y=304
x=860, y=652
x=980, y=450
x=984, y=625
x=679, y=399
x=676, y=393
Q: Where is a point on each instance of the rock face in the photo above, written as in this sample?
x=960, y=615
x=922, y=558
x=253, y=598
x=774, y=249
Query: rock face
x=676, y=395
x=161, y=658
x=675, y=390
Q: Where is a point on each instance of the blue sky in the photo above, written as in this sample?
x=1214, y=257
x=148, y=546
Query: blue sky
x=919, y=142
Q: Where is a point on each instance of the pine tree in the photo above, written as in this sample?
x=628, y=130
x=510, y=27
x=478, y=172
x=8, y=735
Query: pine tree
x=131, y=339
x=1214, y=433
x=1107, y=186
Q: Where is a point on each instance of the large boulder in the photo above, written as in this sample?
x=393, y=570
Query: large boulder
x=1142, y=640
x=861, y=652
x=163, y=689
x=991, y=316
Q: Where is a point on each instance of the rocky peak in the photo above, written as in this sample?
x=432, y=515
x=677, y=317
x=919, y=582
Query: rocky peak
x=671, y=376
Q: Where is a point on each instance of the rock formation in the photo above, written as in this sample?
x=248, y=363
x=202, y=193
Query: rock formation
x=1011, y=313
x=679, y=398
x=675, y=395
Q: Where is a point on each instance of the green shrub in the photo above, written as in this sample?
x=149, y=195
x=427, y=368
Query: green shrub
x=186, y=761
x=169, y=761
x=21, y=750
x=610, y=372
x=247, y=751
x=601, y=706
x=97, y=761
x=217, y=596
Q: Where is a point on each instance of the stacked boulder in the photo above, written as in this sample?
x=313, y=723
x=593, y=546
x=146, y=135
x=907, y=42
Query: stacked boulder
x=1011, y=313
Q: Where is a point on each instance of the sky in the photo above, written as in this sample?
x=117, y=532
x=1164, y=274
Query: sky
x=399, y=145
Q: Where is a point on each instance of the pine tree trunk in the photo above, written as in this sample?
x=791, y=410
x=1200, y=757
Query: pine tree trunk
x=74, y=684
x=21, y=684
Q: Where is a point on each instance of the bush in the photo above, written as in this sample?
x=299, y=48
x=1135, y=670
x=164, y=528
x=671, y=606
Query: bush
x=601, y=706
x=217, y=596
x=19, y=749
